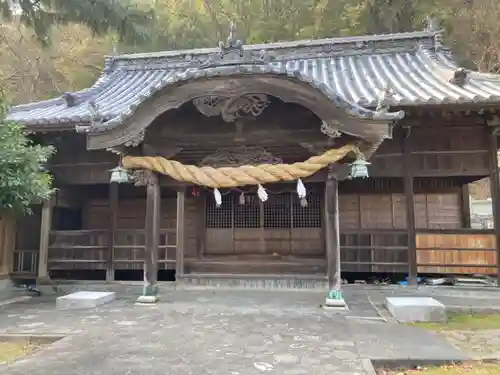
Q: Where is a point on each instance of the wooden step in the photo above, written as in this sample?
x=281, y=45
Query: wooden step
x=269, y=267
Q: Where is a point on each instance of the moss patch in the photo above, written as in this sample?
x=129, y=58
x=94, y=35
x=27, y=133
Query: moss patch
x=10, y=351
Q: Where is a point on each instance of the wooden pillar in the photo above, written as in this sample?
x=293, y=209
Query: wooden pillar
x=113, y=213
x=181, y=236
x=152, y=238
x=410, y=209
x=45, y=227
x=332, y=240
x=495, y=194
x=465, y=205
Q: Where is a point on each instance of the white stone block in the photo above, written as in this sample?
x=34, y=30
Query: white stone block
x=84, y=300
x=416, y=309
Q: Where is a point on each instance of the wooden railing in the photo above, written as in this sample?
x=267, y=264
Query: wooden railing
x=375, y=250
x=78, y=249
x=87, y=249
x=458, y=251
x=129, y=249
x=25, y=262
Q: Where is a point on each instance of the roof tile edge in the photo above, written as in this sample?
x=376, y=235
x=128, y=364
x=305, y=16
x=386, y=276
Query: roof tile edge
x=298, y=44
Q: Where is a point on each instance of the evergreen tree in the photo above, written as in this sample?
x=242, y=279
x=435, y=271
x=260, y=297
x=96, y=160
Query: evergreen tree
x=23, y=179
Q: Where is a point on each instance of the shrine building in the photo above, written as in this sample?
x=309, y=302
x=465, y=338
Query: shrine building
x=276, y=164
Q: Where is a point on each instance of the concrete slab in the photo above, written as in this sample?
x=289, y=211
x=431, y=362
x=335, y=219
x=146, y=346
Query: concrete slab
x=84, y=300
x=416, y=309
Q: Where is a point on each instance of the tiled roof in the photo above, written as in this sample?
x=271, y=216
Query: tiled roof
x=352, y=72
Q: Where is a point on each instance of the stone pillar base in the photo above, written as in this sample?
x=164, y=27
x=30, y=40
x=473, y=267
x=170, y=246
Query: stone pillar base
x=149, y=295
x=334, y=300
x=147, y=300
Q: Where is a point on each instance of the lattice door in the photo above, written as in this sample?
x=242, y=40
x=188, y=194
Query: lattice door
x=279, y=227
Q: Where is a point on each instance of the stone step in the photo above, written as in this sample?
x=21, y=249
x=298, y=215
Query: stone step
x=254, y=281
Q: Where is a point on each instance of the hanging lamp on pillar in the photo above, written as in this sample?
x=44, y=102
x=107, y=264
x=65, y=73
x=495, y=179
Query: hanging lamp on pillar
x=359, y=169
x=119, y=175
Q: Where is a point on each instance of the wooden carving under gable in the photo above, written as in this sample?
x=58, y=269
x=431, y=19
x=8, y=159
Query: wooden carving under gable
x=144, y=177
x=231, y=109
x=237, y=156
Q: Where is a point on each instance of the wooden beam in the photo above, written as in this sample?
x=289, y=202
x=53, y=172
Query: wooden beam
x=181, y=237
x=410, y=208
x=113, y=214
x=276, y=136
x=495, y=193
x=332, y=234
x=45, y=227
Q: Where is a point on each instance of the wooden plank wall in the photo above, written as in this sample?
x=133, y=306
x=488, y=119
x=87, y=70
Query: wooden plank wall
x=387, y=211
x=454, y=253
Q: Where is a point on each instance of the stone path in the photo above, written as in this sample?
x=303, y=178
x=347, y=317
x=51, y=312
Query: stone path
x=205, y=332
x=478, y=344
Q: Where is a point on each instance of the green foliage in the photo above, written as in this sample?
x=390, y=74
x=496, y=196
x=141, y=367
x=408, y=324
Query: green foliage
x=23, y=180
x=74, y=59
x=101, y=16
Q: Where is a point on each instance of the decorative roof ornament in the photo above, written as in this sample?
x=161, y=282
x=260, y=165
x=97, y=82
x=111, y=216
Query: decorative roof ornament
x=94, y=112
x=96, y=119
x=231, y=52
x=432, y=26
x=70, y=99
x=115, y=48
x=232, y=43
x=459, y=77
x=384, y=99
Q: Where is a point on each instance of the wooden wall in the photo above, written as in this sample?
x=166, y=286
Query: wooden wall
x=455, y=253
x=438, y=148
x=388, y=211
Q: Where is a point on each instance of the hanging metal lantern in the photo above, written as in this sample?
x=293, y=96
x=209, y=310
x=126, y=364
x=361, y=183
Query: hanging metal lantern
x=359, y=169
x=119, y=175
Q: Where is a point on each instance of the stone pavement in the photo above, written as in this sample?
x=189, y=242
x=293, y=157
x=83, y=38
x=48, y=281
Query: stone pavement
x=215, y=332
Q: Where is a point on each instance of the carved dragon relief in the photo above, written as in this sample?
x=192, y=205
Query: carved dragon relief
x=232, y=109
x=237, y=156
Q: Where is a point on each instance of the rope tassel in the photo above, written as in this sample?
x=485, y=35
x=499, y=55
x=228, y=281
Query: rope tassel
x=301, y=189
x=302, y=193
x=261, y=192
x=217, y=197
